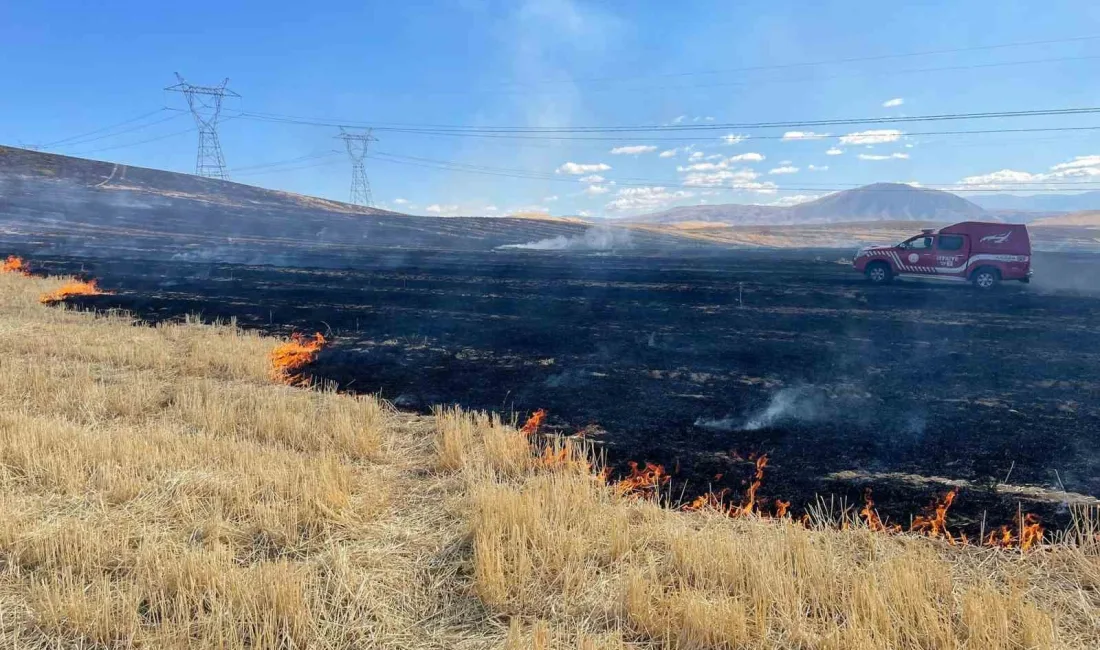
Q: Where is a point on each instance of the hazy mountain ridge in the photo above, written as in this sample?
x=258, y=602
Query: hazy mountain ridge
x=876, y=202
x=1048, y=203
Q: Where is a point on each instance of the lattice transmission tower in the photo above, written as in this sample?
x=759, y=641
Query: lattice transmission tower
x=205, y=103
x=357, y=144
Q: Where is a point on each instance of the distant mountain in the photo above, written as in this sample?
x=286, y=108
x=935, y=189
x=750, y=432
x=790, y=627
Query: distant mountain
x=887, y=202
x=1090, y=219
x=877, y=202
x=1041, y=202
x=728, y=213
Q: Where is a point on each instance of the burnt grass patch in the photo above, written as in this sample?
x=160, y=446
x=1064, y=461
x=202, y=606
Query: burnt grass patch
x=697, y=360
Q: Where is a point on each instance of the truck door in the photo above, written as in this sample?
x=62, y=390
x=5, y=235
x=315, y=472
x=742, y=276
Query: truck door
x=918, y=255
x=952, y=253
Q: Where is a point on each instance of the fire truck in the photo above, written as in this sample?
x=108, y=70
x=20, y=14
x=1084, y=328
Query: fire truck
x=984, y=254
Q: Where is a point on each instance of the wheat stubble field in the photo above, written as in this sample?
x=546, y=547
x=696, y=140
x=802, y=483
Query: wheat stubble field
x=158, y=489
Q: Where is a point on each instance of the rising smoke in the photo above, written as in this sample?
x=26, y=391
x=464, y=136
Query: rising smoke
x=797, y=404
x=599, y=238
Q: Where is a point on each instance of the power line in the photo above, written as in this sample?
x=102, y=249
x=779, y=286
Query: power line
x=676, y=128
x=205, y=103
x=134, y=144
x=50, y=145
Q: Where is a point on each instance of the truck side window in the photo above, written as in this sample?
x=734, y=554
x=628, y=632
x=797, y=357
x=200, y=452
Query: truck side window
x=951, y=242
x=920, y=243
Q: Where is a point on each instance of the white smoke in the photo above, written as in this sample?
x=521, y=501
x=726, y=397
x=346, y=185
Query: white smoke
x=799, y=404
x=600, y=238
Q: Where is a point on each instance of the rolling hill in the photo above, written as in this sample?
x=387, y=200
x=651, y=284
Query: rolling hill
x=877, y=202
x=1045, y=203
x=60, y=204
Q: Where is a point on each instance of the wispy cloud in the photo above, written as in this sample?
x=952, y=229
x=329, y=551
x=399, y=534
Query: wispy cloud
x=1080, y=167
x=874, y=136
x=734, y=138
x=582, y=168
x=668, y=153
x=751, y=156
x=550, y=199
x=833, y=151
x=437, y=208
x=818, y=168
x=400, y=201
x=634, y=149
x=891, y=103
x=592, y=178
x=633, y=199
x=595, y=190
x=803, y=135
x=893, y=156
x=786, y=169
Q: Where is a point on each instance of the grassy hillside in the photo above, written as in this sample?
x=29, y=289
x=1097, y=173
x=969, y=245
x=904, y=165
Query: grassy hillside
x=160, y=489
x=59, y=204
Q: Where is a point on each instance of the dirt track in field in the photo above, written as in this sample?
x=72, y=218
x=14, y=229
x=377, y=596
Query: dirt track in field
x=909, y=388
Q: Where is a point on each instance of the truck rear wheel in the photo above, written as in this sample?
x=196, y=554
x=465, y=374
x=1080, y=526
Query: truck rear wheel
x=879, y=273
x=986, y=278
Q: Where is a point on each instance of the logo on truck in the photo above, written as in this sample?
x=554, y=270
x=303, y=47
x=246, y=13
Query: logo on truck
x=997, y=239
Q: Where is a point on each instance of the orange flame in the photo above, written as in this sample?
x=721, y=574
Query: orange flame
x=14, y=264
x=643, y=481
x=934, y=522
x=533, y=423
x=73, y=288
x=289, y=358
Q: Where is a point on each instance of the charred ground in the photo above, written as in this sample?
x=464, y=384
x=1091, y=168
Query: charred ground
x=696, y=361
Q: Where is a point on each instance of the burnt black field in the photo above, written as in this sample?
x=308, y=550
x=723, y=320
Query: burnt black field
x=695, y=360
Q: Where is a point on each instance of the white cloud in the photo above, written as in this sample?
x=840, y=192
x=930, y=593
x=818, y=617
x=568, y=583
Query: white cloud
x=550, y=198
x=734, y=138
x=891, y=103
x=995, y=179
x=715, y=156
x=708, y=119
x=794, y=199
x=594, y=190
x=1080, y=162
x=741, y=179
x=679, y=119
x=436, y=208
x=746, y=157
x=874, y=136
x=582, y=168
x=818, y=168
x=400, y=201
x=583, y=213
x=700, y=167
x=786, y=169
x=593, y=178
x=633, y=149
x=803, y=135
x=491, y=208
x=893, y=156
x=629, y=199
x=833, y=151
x=668, y=153
x=697, y=155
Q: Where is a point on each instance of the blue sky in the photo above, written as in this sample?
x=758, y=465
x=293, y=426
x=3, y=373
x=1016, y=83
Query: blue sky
x=73, y=67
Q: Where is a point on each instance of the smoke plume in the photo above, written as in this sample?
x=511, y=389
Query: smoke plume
x=600, y=238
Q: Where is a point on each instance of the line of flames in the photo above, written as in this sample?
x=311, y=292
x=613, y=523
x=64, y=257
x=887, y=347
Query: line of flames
x=646, y=481
x=15, y=264
x=288, y=358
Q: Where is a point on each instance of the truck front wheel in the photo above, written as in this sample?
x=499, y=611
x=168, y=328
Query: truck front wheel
x=986, y=278
x=879, y=273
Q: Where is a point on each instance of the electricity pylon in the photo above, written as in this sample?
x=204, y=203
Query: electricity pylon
x=357, y=144
x=205, y=103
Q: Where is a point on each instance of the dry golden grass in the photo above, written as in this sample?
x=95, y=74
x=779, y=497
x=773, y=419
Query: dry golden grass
x=158, y=491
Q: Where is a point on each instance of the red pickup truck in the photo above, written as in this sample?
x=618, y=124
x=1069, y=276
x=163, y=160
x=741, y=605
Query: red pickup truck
x=972, y=251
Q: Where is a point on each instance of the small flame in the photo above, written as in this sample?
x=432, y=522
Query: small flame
x=289, y=358
x=73, y=288
x=15, y=264
x=934, y=522
x=644, y=481
x=533, y=423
